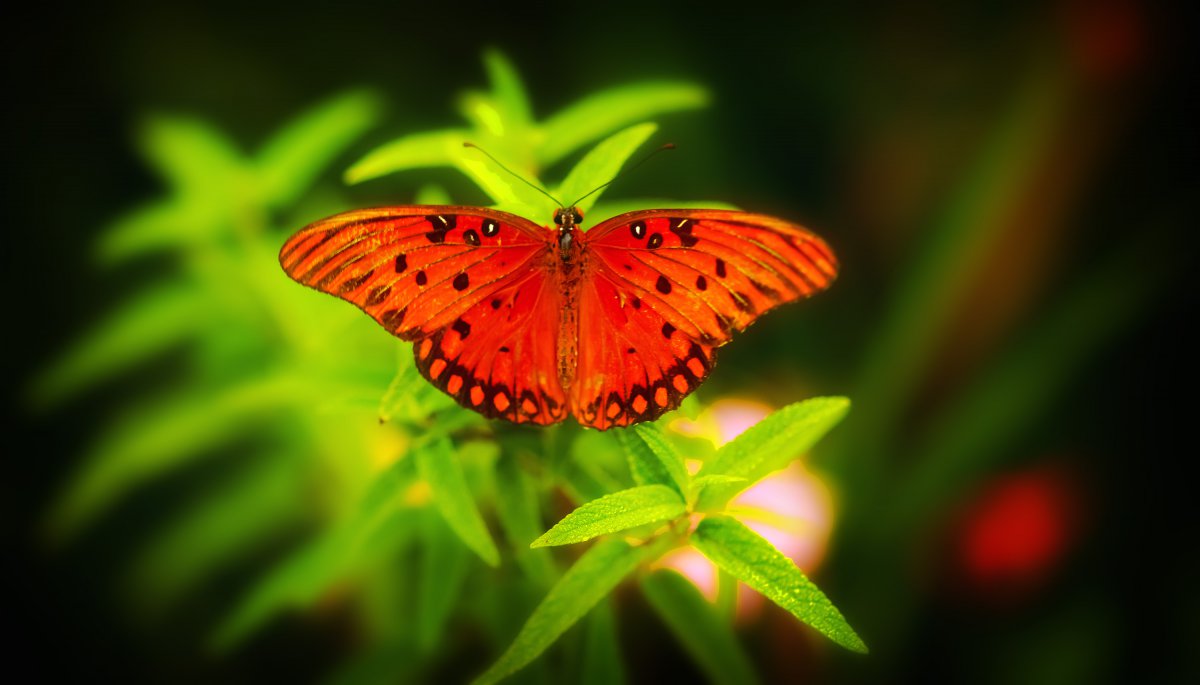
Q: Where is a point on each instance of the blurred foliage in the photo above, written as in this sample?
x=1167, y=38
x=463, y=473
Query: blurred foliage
x=396, y=487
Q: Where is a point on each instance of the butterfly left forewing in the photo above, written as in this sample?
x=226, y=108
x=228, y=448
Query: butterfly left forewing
x=414, y=269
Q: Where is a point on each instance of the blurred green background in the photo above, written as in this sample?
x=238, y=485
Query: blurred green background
x=1006, y=184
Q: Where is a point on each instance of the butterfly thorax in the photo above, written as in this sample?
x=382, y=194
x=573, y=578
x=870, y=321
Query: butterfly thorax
x=570, y=268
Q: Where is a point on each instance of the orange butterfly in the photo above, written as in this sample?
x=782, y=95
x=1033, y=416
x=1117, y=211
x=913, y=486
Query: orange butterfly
x=529, y=324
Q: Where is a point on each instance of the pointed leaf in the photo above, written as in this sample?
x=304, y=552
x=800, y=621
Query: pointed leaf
x=740, y=551
x=601, y=165
x=592, y=577
x=439, y=467
x=618, y=511
x=606, y=111
x=769, y=445
x=512, y=103
x=293, y=158
x=416, y=151
x=652, y=460
x=698, y=627
x=198, y=161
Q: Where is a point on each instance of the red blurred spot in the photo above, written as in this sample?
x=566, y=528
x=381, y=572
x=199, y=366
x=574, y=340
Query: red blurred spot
x=1019, y=529
x=1107, y=37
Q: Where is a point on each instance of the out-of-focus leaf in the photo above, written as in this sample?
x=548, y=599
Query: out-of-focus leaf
x=416, y=151
x=143, y=327
x=695, y=623
x=293, y=158
x=379, y=664
x=170, y=223
x=431, y=194
x=588, y=581
x=615, y=512
x=740, y=551
x=444, y=567
x=606, y=111
x=512, y=103
x=652, y=461
x=158, y=439
x=1020, y=388
x=968, y=231
x=510, y=193
x=601, y=663
x=439, y=467
x=377, y=522
x=601, y=165
x=769, y=445
x=520, y=517
x=198, y=161
x=216, y=531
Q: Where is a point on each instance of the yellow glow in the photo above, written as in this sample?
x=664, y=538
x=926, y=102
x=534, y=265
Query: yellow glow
x=792, y=508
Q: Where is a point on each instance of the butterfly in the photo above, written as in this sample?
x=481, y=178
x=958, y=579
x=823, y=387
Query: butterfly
x=530, y=324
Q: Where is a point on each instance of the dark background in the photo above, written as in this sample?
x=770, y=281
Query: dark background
x=818, y=111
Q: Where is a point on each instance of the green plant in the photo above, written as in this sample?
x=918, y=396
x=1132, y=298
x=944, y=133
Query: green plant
x=336, y=435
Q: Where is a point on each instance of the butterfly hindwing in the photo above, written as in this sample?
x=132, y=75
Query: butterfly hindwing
x=710, y=272
x=499, y=357
x=633, y=365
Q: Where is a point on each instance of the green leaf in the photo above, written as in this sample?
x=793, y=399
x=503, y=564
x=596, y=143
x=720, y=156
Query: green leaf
x=601, y=165
x=740, y=551
x=716, y=481
x=1018, y=391
x=588, y=581
x=610, y=208
x=224, y=525
x=506, y=190
x=602, y=663
x=652, y=460
x=438, y=466
x=769, y=445
x=415, y=151
x=970, y=229
x=157, y=439
x=618, y=511
x=512, y=103
x=170, y=223
x=143, y=327
x=443, y=569
x=609, y=110
x=376, y=520
x=695, y=623
x=199, y=162
x=517, y=507
x=293, y=158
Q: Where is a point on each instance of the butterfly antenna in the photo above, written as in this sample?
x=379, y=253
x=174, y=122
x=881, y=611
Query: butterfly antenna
x=643, y=160
x=513, y=173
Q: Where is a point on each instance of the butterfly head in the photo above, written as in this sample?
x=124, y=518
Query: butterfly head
x=567, y=218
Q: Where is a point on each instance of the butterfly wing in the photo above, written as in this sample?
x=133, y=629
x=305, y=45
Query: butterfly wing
x=672, y=285
x=464, y=283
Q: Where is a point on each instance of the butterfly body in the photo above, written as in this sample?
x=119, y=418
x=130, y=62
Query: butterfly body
x=530, y=323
